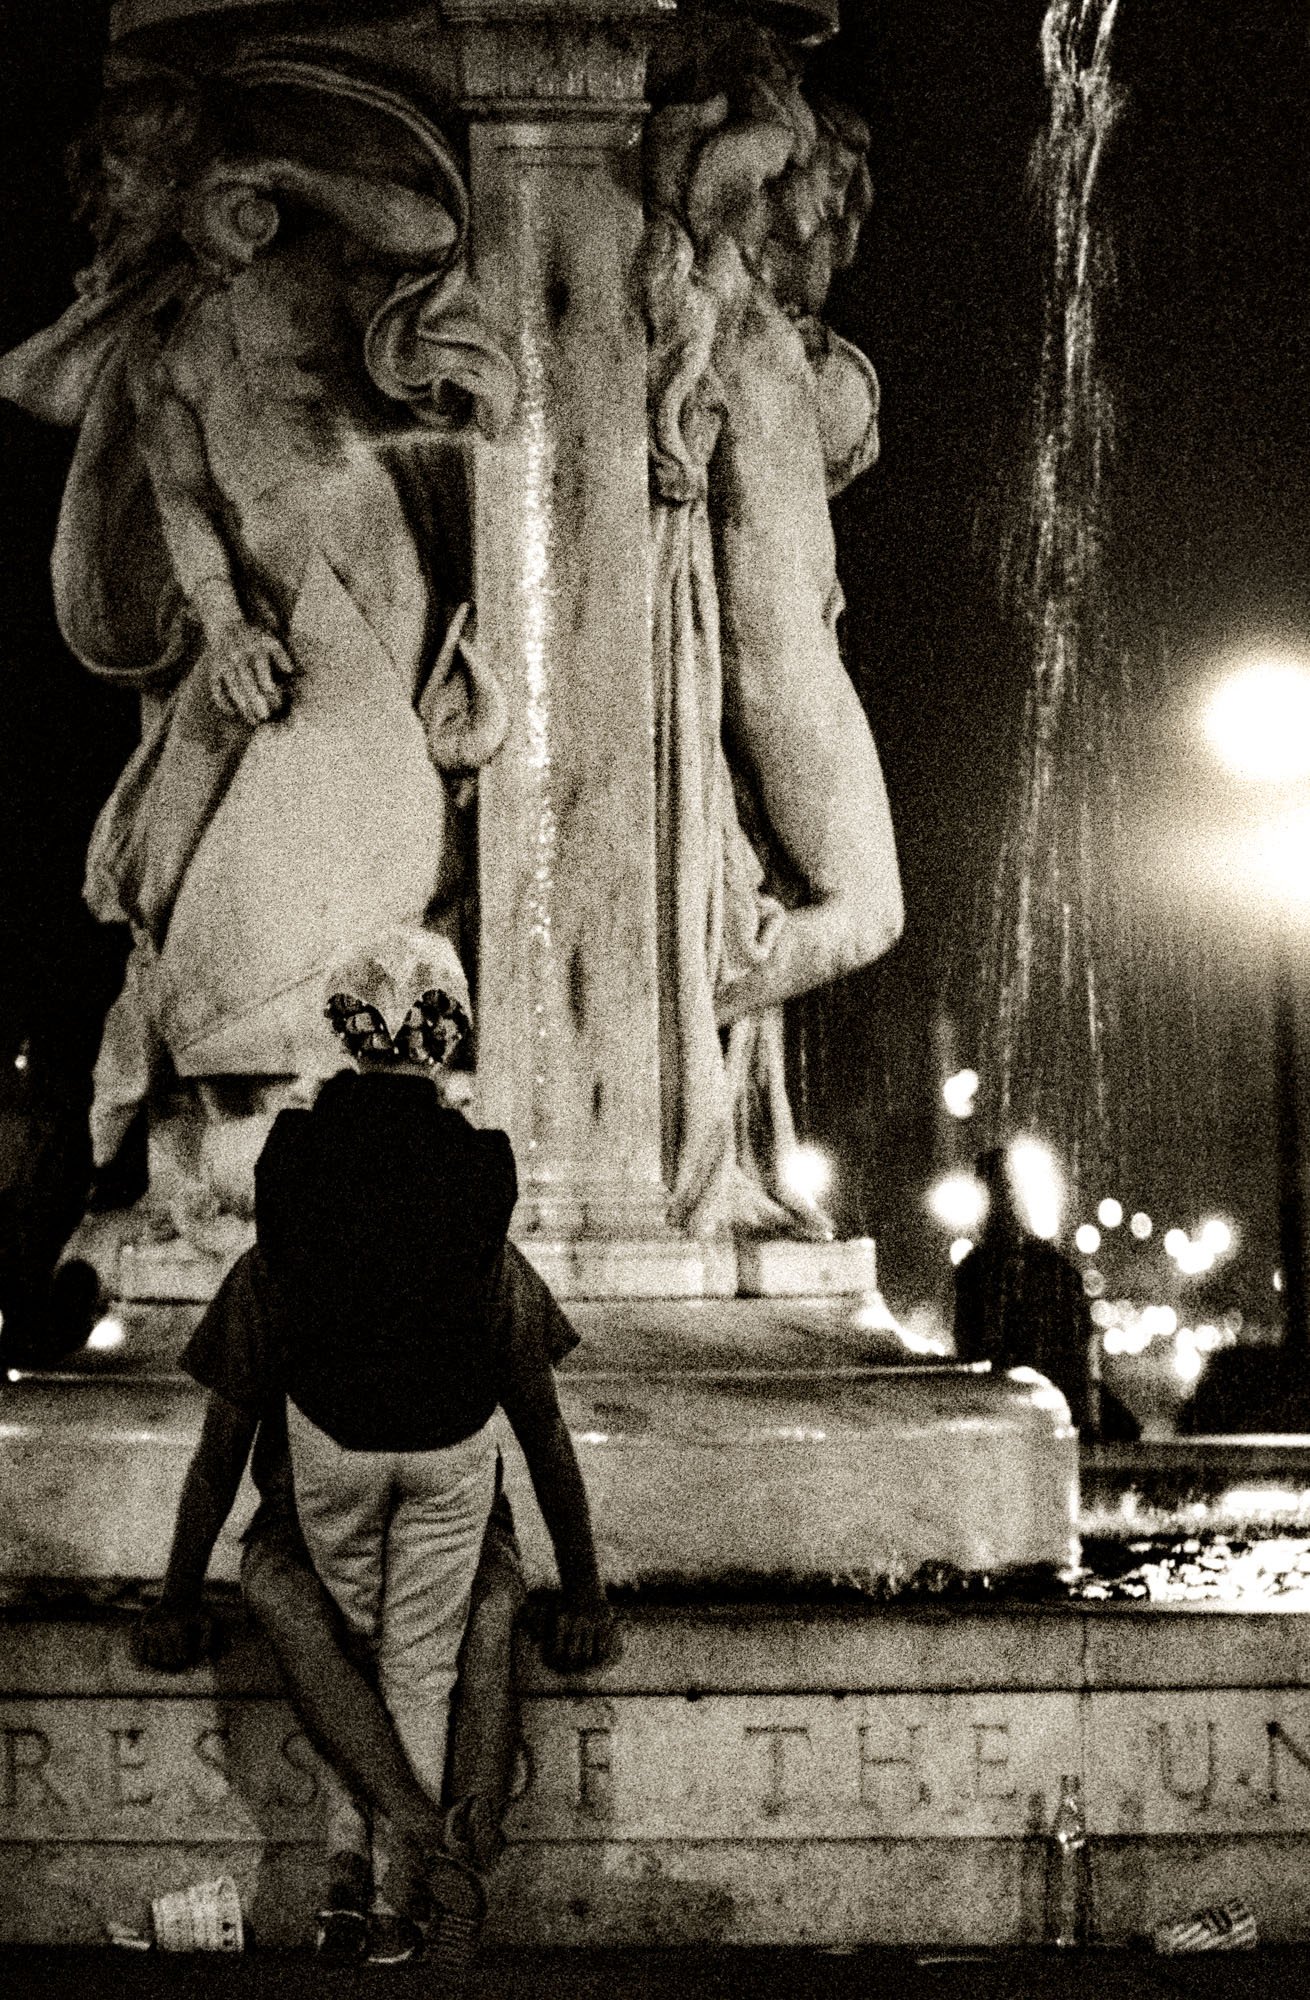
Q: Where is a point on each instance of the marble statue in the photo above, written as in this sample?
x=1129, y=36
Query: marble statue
x=264, y=530
x=779, y=868
x=275, y=364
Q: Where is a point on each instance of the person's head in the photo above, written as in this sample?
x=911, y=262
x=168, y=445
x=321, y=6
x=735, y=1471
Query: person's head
x=400, y=1006
x=992, y=1168
x=130, y=170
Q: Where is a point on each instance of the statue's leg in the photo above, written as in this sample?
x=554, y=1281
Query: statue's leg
x=797, y=734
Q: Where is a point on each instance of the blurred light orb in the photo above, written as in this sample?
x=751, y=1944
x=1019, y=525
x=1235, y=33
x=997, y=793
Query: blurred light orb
x=1175, y=1242
x=1094, y=1282
x=960, y=1249
x=1160, y=1319
x=1217, y=1235
x=1037, y=1187
x=1109, y=1213
x=1141, y=1225
x=807, y=1172
x=106, y=1334
x=1282, y=855
x=1194, y=1259
x=1103, y=1313
x=1278, y=1281
x=1258, y=721
x=958, y=1200
x=1087, y=1238
x=1188, y=1360
x=959, y=1091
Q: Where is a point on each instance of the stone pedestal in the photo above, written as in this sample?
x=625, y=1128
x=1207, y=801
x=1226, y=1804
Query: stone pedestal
x=716, y=1438
x=568, y=1036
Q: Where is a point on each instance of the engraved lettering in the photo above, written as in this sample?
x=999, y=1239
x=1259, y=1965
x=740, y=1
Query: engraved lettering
x=877, y=1767
x=991, y=1761
x=128, y=1762
x=1173, y=1775
x=775, y=1737
x=212, y=1751
x=1299, y=1754
x=524, y=1774
x=595, y=1773
x=27, y=1752
x=298, y=1756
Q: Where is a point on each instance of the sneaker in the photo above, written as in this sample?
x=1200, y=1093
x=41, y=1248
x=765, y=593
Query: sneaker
x=341, y=1936
x=393, y=1939
x=461, y=1904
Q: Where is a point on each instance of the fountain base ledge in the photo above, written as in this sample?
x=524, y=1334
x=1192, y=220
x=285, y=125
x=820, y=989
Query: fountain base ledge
x=767, y=1774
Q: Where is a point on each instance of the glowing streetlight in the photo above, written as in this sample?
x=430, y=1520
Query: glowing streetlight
x=1258, y=721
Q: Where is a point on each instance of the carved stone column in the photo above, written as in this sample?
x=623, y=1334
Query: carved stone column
x=568, y=1028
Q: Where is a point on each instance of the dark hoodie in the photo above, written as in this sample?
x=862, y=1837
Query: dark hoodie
x=381, y=1216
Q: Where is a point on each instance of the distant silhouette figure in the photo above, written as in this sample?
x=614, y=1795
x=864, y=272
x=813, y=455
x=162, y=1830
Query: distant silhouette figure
x=1019, y=1302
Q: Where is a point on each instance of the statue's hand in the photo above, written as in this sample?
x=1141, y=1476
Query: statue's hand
x=248, y=672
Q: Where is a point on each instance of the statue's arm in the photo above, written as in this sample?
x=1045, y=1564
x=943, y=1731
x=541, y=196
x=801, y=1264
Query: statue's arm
x=247, y=667
x=399, y=225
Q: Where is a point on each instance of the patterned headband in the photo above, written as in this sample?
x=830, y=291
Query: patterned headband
x=434, y=1030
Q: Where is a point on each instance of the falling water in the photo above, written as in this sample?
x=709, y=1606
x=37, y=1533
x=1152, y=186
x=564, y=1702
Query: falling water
x=1054, y=919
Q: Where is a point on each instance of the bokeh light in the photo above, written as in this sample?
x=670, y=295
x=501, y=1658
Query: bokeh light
x=807, y=1173
x=1109, y=1213
x=1087, y=1238
x=1258, y=721
x=1141, y=1225
x=958, y=1200
x=1037, y=1186
x=959, y=1092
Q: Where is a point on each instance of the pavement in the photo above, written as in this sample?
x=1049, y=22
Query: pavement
x=683, y=1974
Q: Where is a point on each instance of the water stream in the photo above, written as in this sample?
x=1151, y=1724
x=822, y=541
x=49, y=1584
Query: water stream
x=1056, y=927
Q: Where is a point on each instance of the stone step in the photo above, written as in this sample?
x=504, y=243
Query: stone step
x=772, y=1774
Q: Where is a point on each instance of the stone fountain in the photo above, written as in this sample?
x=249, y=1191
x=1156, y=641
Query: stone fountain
x=457, y=422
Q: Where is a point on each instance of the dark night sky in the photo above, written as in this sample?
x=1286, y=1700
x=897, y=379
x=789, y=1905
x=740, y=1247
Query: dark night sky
x=1207, y=350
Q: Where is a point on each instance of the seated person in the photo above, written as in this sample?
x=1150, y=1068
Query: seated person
x=382, y=1293
x=1019, y=1302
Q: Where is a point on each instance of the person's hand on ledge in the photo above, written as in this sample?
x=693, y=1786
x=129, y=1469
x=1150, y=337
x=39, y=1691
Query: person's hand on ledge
x=575, y=1633
x=170, y=1638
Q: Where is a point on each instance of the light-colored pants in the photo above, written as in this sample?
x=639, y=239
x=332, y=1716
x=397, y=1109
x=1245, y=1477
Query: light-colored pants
x=395, y=1538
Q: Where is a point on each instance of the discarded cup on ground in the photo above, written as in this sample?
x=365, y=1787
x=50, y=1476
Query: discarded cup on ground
x=1221, y=1927
x=205, y=1917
